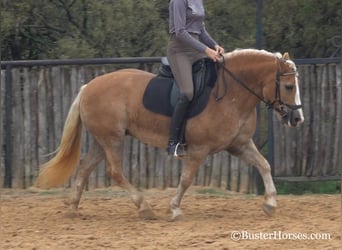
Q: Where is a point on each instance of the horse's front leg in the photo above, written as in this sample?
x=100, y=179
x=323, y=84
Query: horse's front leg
x=251, y=155
x=87, y=165
x=190, y=167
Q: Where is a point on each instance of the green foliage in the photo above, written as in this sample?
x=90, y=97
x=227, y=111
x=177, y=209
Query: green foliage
x=69, y=29
x=232, y=23
x=298, y=188
x=302, y=27
x=41, y=29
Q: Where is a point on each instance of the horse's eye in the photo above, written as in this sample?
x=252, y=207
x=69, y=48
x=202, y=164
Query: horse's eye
x=289, y=87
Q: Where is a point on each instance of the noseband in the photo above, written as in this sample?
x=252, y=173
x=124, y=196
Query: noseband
x=278, y=100
x=270, y=105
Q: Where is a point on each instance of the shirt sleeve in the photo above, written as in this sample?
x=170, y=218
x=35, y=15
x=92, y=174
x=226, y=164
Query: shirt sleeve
x=179, y=17
x=207, y=39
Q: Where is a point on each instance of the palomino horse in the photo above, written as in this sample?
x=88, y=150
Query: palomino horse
x=110, y=107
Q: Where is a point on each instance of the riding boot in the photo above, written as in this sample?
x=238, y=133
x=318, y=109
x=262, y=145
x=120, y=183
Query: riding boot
x=175, y=148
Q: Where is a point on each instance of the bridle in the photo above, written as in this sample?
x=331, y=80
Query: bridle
x=270, y=105
x=278, y=100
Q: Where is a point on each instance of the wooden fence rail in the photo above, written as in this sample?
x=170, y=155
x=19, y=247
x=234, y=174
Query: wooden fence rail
x=41, y=98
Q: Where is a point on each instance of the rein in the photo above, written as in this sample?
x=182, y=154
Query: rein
x=269, y=105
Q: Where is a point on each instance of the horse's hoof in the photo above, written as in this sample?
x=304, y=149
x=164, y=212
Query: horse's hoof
x=178, y=217
x=268, y=209
x=71, y=204
x=147, y=214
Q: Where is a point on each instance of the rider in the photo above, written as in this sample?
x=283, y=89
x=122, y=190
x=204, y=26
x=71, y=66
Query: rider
x=189, y=42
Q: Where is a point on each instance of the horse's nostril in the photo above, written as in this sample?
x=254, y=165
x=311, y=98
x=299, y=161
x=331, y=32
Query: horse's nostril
x=298, y=120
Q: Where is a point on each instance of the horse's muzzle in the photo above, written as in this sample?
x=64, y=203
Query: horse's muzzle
x=292, y=118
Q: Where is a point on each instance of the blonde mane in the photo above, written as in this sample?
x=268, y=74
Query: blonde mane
x=249, y=52
x=256, y=52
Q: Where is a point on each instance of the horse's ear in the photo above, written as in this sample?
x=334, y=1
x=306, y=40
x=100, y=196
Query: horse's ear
x=286, y=56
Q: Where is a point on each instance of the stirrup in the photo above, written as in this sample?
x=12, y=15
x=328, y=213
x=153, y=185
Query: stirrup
x=177, y=149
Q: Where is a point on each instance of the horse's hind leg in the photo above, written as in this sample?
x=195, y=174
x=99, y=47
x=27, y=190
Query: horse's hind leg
x=114, y=168
x=87, y=165
x=251, y=155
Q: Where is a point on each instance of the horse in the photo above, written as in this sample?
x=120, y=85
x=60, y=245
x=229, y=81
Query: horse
x=110, y=107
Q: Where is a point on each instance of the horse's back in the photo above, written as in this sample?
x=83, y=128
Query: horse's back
x=118, y=83
x=123, y=77
x=109, y=98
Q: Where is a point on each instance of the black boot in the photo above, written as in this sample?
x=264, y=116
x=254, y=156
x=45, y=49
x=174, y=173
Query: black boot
x=175, y=148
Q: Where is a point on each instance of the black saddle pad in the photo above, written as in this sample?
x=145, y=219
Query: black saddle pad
x=162, y=92
x=157, y=97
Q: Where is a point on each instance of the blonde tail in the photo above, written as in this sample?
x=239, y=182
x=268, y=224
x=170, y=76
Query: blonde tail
x=57, y=171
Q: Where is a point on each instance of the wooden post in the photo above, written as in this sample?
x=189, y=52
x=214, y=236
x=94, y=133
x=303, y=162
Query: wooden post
x=339, y=161
x=1, y=130
x=8, y=128
x=339, y=85
x=259, y=28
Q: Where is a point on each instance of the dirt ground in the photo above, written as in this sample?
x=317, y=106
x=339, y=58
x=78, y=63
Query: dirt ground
x=212, y=219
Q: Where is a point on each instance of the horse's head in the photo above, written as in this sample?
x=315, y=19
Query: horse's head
x=283, y=96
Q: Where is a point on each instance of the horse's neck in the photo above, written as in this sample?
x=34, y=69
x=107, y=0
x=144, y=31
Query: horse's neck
x=250, y=76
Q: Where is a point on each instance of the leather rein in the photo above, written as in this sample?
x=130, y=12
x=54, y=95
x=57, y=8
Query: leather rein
x=269, y=104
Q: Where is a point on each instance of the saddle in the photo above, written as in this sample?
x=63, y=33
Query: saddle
x=161, y=93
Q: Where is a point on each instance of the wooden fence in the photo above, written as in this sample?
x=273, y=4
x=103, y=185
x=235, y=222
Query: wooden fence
x=312, y=150
x=41, y=98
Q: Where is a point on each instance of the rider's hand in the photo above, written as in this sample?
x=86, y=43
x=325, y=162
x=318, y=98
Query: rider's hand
x=213, y=54
x=219, y=50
